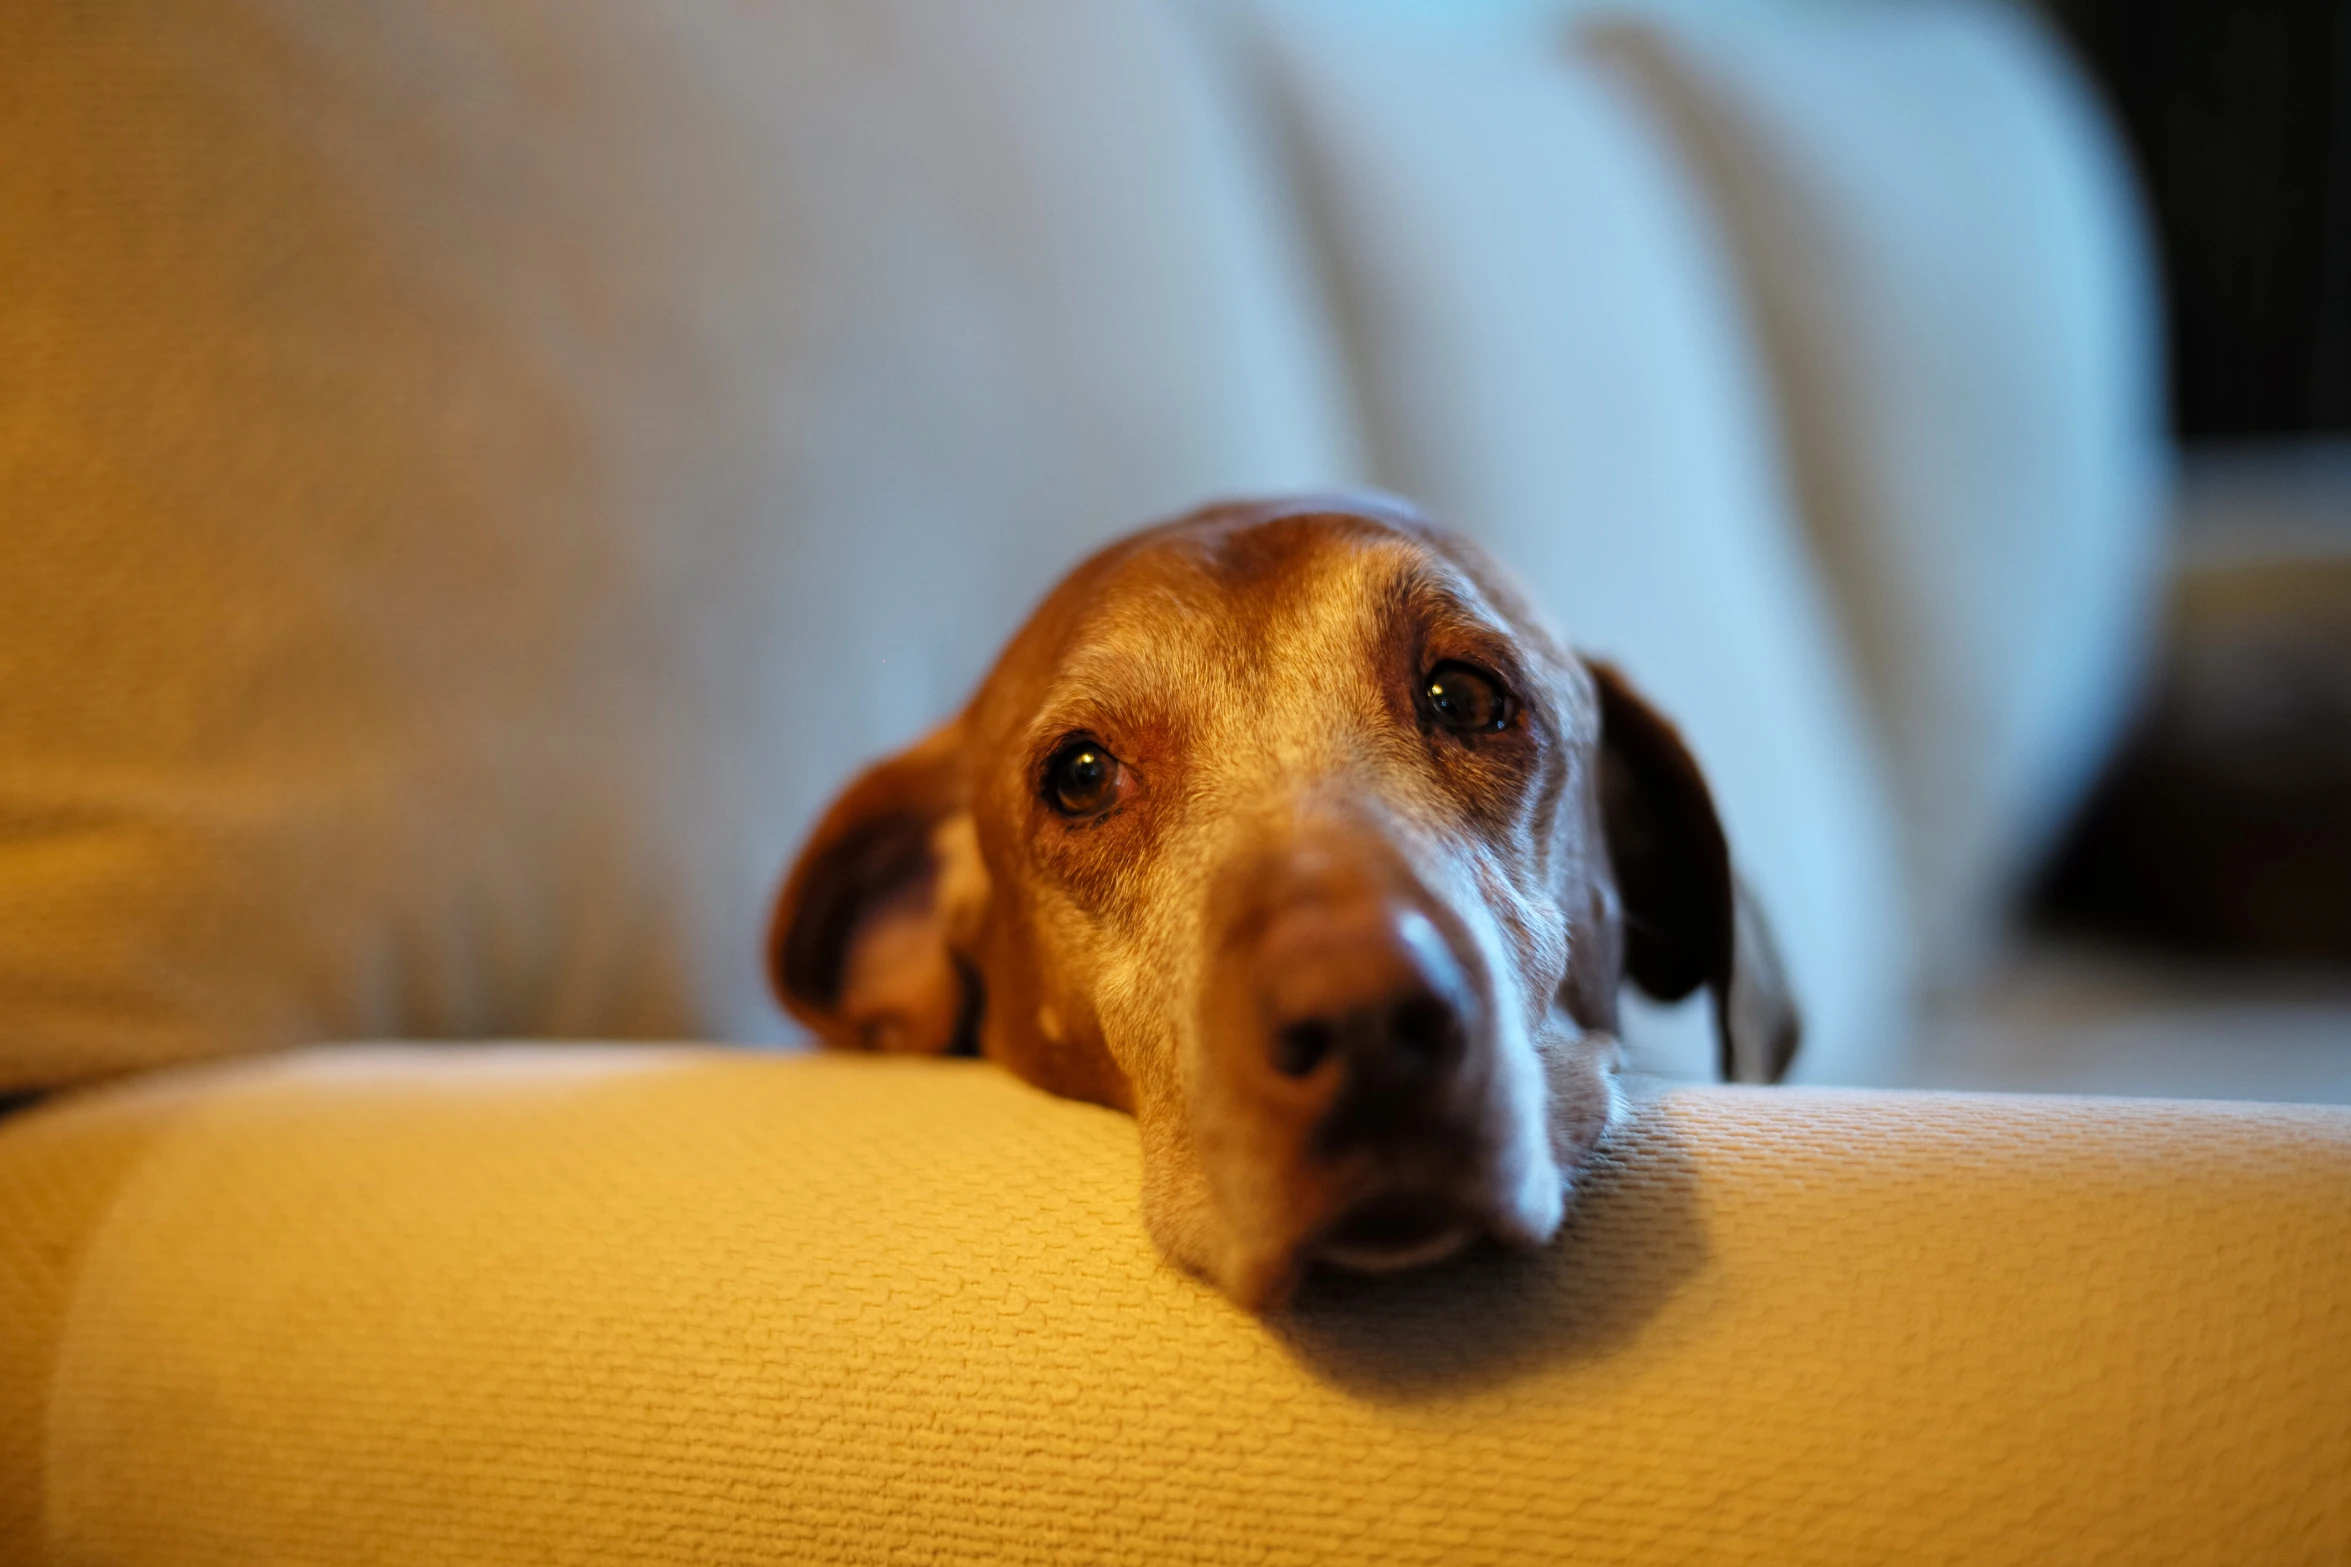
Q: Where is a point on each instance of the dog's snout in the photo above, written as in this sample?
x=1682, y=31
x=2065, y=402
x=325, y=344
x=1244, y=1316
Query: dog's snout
x=1366, y=992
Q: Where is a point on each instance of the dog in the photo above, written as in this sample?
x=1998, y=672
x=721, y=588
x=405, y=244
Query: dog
x=1289, y=829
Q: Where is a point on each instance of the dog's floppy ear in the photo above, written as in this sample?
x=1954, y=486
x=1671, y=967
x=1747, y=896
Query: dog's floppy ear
x=868, y=940
x=1689, y=921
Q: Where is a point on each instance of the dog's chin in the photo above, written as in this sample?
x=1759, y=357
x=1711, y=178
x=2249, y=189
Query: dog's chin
x=1386, y=1228
x=1399, y=1228
x=1393, y=1231
x=1395, y=1258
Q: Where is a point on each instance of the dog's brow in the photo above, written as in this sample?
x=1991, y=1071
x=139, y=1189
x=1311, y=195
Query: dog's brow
x=1451, y=618
x=1431, y=589
x=1108, y=689
x=1146, y=658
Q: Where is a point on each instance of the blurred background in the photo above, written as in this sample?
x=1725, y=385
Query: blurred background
x=2206, y=883
x=478, y=477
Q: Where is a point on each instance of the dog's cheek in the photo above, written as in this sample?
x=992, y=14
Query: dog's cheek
x=1039, y=1020
x=1191, y=1227
x=1534, y=932
x=1540, y=1075
x=1153, y=960
x=1178, y=1211
x=1520, y=948
x=1585, y=1101
x=1215, y=1189
x=1133, y=993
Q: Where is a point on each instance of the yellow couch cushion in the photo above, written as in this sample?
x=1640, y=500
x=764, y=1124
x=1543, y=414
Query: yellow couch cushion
x=686, y=1306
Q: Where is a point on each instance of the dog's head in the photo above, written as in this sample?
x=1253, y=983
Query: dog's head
x=1288, y=828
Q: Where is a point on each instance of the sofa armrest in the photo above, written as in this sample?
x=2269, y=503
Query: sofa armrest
x=645, y=1305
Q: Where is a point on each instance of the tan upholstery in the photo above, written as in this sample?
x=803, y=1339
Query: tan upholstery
x=688, y=1307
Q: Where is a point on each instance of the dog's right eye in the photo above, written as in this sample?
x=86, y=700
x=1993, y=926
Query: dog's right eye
x=1082, y=779
x=1467, y=701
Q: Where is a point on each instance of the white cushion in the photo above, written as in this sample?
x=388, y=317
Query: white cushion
x=1549, y=353
x=1941, y=246
x=479, y=475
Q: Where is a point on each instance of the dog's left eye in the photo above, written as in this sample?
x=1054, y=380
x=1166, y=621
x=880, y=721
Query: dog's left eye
x=1467, y=701
x=1081, y=779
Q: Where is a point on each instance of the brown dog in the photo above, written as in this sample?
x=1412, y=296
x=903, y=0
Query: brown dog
x=1288, y=828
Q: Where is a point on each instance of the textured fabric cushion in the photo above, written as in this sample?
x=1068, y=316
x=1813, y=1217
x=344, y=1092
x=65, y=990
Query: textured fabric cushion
x=679, y=1307
x=477, y=475
x=1947, y=266
x=1548, y=347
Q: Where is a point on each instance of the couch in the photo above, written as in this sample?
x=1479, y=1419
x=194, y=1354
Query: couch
x=479, y=475
x=653, y=1304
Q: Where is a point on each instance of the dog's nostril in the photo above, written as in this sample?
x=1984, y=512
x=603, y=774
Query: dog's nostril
x=1301, y=1047
x=1424, y=1031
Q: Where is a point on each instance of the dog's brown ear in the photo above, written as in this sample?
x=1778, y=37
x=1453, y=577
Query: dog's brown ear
x=868, y=940
x=1689, y=921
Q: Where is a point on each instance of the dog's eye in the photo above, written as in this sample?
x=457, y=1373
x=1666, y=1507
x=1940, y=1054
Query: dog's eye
x=1467, y=701
x=1081, y=779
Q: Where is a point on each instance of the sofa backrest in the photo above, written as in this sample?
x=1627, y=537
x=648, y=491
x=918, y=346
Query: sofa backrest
x=479, y=476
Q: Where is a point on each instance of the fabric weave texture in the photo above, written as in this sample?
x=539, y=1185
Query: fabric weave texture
x=652, y=1306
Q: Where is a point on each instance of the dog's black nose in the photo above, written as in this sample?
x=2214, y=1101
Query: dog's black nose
x=1364, y=995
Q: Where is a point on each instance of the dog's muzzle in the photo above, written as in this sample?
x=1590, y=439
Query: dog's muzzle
x=1359, y=1046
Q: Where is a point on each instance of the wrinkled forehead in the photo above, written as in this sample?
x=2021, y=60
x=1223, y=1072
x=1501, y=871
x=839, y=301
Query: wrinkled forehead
x=1306, y=616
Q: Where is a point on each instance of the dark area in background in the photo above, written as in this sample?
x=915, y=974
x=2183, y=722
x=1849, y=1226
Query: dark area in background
x=2224, y=824
x=2239, y=113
